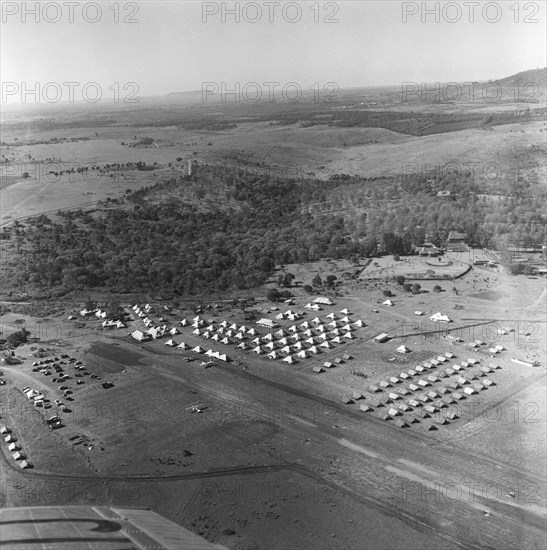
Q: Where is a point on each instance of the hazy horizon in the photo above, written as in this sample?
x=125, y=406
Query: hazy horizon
x=177, y=47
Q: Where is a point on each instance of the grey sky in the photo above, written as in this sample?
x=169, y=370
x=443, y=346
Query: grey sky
x=172, y=48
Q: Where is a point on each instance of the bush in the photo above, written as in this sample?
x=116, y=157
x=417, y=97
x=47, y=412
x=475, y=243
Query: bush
x=19, y=337
x=437, y=288
x=388, y=293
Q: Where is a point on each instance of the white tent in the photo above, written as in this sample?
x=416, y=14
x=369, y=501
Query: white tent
x=388, y=302
x=358, y=323
x=348, y=335
x=272, y=355
x=316, y=321
x=170, y=343
x=206, y=335
x=345, y=312
x=225, y=341
x=297, y=346
x=322, y=336
x=403, y=349
x=289, y=360
x=266, y=323
x=308, y=305
x=140, y=336
x=310, y=341
x=182, y=345
x=282, y=341
x=215, y=337
x=293, y=328
x=286, y=349
x=256, y=341
x=315, y=307
x=233, y=326
x=174, y=331
x=270, y=346
x=313, y=350
x=307, y=333
x=305, y=324
x=243, y=346
x=280, y=333
x=302, y=354
x=258, y=350
x=268, y=337
x=224, y=324
x=320, y=328
x=197, y=349
x=345, y=319
x=325, y=345
x=323, y=301
x=279, y=316
x=184, y=322
x=440, y=318
x=251, y=332
x=336, y=340
x=196, y=332
x=223, y=357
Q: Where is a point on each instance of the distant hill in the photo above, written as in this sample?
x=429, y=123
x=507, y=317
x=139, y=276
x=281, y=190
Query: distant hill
x=536, y=76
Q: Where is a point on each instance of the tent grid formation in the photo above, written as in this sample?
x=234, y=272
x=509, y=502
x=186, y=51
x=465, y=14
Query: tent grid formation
x=427, y=402
x=298, y=341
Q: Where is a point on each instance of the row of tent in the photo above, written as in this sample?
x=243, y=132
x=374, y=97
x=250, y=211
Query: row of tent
x=14, y=448
x=198, y=349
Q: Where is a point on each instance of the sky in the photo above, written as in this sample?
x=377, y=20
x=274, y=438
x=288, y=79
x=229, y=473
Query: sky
x=156, y=47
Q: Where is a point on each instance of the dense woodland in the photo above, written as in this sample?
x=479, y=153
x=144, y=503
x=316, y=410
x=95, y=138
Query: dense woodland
x=168, y=239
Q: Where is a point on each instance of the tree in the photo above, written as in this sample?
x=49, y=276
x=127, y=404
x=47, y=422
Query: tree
x=317, y=281
x=288, y=279
x=387, y=293
x=308, y=289
x=437, y=288
x=416, y=288
x=330, y=281
x=18, y=337
x=407, y=287
x=400, y=280
x=273, y=295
